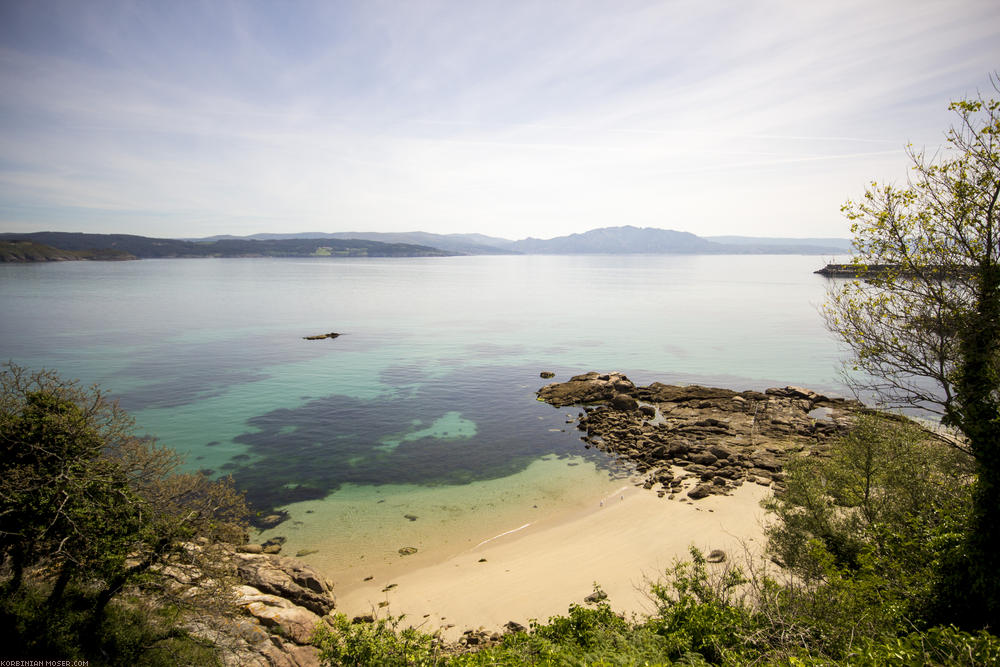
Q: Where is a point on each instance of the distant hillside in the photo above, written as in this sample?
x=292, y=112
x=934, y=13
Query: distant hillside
x=621, y=240
x=465, y=244
x=29, y=251
x=146, y=247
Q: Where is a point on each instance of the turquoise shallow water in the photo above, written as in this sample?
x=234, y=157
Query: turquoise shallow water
x=431, y=384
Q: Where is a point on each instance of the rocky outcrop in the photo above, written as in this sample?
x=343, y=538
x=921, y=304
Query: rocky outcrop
x=288, y=578
x=699, y=441
x=331, y=335
x=588, y=388
x=277, y=603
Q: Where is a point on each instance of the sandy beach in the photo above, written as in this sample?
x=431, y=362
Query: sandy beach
x=532, y=572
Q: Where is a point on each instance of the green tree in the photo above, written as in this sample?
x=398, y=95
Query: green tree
x=925, y=331
x=85, y=501
x=890, y=504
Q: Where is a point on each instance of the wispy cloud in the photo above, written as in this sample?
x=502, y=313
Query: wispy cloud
x=508, y=118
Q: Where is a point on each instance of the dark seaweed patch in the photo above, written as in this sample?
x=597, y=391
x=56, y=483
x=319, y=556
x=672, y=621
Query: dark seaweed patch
x=307, y=452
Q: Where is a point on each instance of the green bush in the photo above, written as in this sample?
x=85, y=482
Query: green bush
x=888, y=509
x=941, y=645
x=380, y=642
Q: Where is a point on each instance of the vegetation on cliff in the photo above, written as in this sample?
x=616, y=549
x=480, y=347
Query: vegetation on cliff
x=91, y=514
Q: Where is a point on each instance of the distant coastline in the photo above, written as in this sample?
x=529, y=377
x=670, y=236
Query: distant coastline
x=67, y=246
x=62, y=246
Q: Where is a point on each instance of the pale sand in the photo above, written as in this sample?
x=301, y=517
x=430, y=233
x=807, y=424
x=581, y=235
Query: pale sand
x=538, y=570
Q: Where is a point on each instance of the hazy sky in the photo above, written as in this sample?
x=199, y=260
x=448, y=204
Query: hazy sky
x=509, y=118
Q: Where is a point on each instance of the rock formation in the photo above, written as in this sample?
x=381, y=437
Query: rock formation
x=276, y=603
x=700, y=440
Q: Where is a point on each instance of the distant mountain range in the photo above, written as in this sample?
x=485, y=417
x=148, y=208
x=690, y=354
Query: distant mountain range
x=53, y=246
x=607, y=240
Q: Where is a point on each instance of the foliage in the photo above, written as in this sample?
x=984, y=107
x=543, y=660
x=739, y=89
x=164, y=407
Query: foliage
x=926, y=331
x=885, y=487
x=131, y=633
x=88, y=507
x=705, y=615
x=942, y=645
x=380, y=642
x=937, y=242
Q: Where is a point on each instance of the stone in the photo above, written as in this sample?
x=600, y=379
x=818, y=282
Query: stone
x=297, y=623
x=716, y=556
x=624, y=402
x=596, y=597
x=720, y=452
x=407, y=551
x=250, y=549
x=271, y=520
x=287, y=578
x=700, y=491
x=514, y=626
x=546, y=375
x=703, y=458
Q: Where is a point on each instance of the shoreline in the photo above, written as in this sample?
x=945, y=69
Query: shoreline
x=538, y=570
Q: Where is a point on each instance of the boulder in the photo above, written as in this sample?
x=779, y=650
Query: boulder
x=514, y=626
x=703, y=458
x=287, y=578
x=624, y=402
x=296, y=623
x=700, y=491
x=720, y=452
x=716, y=556
x=250, y=549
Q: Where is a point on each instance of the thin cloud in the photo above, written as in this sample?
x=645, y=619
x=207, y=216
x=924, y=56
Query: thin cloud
x=504, y=118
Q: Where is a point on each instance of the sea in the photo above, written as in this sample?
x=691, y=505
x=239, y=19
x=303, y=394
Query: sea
x=417, y=427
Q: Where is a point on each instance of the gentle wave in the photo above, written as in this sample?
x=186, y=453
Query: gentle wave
x=499, y=536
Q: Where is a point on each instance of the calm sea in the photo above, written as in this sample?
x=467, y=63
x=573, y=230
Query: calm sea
x=425, y=405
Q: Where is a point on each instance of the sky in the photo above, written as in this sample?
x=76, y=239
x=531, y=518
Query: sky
x=508, y=118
